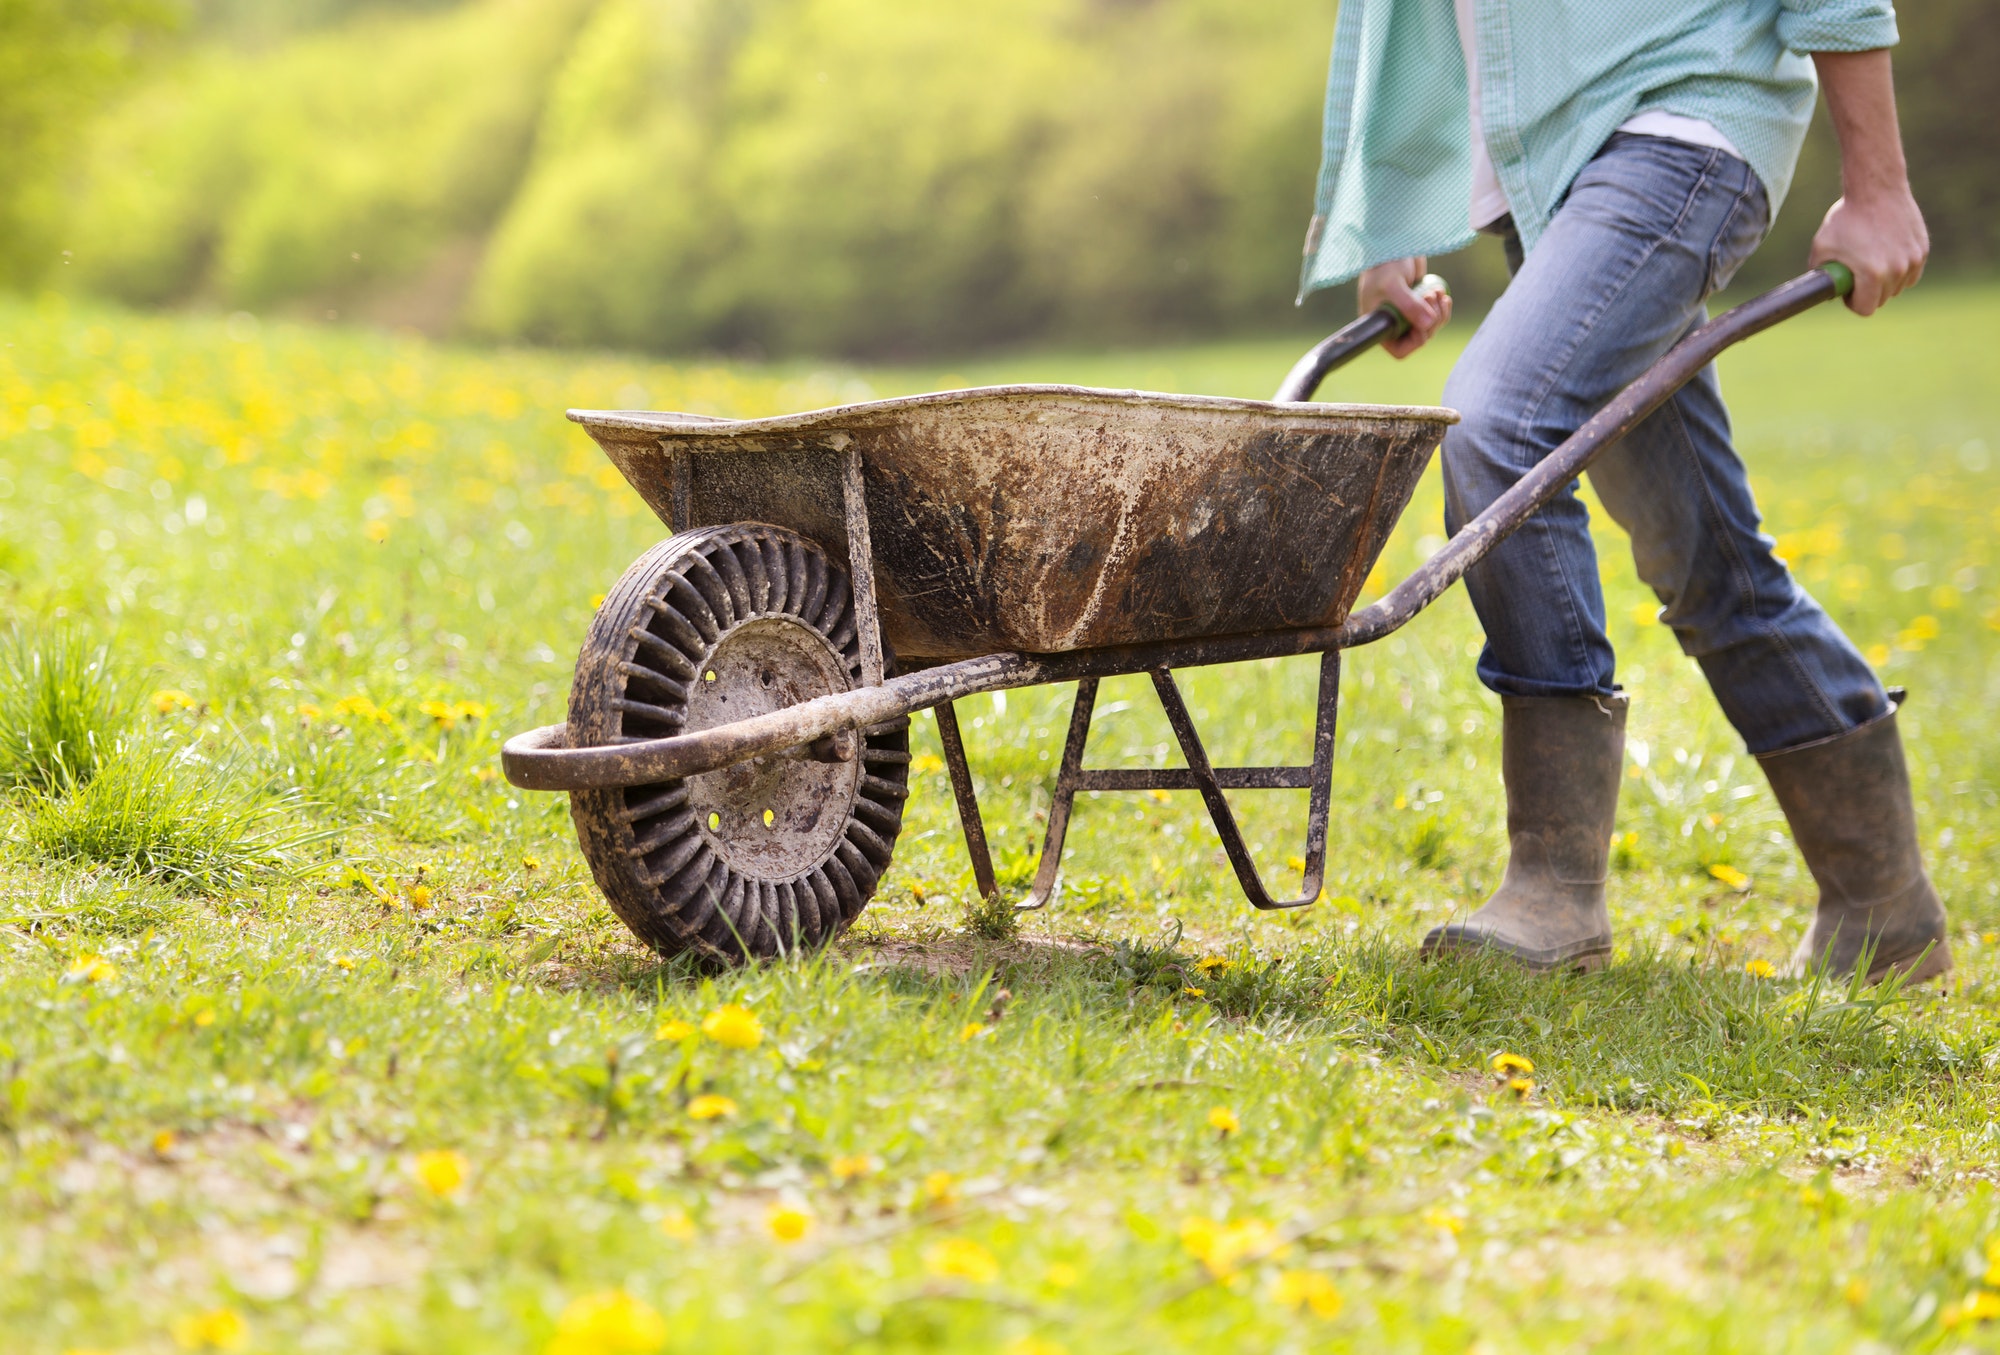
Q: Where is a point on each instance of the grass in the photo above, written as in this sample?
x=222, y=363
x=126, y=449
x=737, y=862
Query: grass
x=383, y=1073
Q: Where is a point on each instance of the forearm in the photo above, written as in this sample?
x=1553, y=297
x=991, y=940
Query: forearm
x=1861, y=97
x=1876, y=228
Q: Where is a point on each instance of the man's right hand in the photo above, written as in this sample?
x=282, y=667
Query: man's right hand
x=1392, y=282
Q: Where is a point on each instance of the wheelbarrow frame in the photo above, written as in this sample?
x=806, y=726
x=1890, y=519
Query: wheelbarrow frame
x=539, y=759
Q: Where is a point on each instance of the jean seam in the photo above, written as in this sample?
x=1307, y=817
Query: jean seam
x=1553, y=373
x=1746, y=584
x=1743, y=197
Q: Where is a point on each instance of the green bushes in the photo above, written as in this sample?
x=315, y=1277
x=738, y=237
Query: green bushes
x=348, y=166
x=859, y=176
x=805, y=175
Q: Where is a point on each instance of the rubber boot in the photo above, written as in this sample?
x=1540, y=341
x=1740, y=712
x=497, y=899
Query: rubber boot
x=1848, y=801
x=1562, y=758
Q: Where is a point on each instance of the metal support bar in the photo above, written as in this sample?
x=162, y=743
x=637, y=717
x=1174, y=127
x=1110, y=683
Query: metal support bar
x=861, y=565
x=1218, y=805
x=1067, y=777
x=969, y=819
x=1183, y=778
x=1073, y=776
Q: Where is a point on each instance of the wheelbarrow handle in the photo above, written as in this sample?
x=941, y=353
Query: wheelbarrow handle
x=1350, y=342
x=1627, y=409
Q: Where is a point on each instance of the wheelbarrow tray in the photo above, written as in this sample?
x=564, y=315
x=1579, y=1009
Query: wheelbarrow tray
x=1050, y=519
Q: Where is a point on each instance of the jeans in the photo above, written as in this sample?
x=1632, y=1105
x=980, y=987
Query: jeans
x=1649, y=229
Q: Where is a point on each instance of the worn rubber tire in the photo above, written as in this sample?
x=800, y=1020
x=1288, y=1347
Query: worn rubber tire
x=711, y=625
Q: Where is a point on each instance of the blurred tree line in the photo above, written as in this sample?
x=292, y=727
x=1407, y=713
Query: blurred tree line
x=832, y=176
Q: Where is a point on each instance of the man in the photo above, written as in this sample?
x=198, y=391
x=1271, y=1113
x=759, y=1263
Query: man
x=1631, y=154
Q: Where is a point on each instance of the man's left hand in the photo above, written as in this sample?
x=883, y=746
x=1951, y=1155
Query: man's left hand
x=1882, y=238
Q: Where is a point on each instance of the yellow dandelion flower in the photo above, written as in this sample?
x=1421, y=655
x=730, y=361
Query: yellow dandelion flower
x=1520, y=1086
x=1306, y=1291
x=1033, y=1345
x=1061, y=1275
x=1214, y=964
x=1759, y=969
x=164, y=1142
x=91, y=969
x=204, y=1017
x=673, y=1032
x=788, y=1223
x=941, y=1188
x=376, y=530
x=971, y=1030
x=359, y=708
x=677, y=1225
x=420, y=898
x=1297, y=863
x=441, y=1171
x=308, y=711
x=1855, y=1292
x=1223, y=1247
x=531, y=863
x=1877, y=655
x=1810, y=1197
x=216, y=1329
x=1445, y=1221
x=170, y=699
x=960, y=1258
x=1223, y=1120
x=733, y=1027
x=852, y=1167
x=1980, y=1306
x=610, y=1323
x=1503, y=1064
x=926, y=762
x=1730, y=876
x=1192, y=991
x=344, y=962
x=709, y=1106
x=597, y=600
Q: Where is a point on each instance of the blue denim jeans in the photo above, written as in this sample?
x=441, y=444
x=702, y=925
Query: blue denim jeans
x=1649, y=230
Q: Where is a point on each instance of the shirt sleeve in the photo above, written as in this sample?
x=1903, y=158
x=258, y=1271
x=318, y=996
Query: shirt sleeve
x=1836, y=25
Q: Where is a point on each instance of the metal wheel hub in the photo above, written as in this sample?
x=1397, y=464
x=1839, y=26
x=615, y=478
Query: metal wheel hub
x=777, y=817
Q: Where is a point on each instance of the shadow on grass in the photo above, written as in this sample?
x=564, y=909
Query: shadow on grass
x=1651, y=1033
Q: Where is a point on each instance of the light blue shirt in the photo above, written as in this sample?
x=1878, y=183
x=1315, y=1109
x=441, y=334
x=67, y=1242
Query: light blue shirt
x=1556, y=78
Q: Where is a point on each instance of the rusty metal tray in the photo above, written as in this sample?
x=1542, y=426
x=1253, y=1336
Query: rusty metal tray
x=1049, y=519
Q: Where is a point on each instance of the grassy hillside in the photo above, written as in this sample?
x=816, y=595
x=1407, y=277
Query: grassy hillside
x=315, y=1036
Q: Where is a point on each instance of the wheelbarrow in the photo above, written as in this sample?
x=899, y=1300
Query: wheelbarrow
x=737, y=750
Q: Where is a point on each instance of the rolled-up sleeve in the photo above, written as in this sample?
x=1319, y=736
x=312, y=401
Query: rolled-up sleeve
x=1836, y=25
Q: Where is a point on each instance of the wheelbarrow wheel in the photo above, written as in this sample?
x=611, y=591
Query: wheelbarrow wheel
x=770, y=855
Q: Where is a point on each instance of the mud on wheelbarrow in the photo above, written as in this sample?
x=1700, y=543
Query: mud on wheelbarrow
x=737, y=748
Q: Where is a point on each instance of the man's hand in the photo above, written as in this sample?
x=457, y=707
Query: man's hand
x=1392, y=282
x=1875, y=228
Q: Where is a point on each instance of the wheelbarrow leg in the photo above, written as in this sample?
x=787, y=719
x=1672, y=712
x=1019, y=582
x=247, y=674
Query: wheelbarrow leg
x=1069, y=779
x=1210, y=786
x=969, y=818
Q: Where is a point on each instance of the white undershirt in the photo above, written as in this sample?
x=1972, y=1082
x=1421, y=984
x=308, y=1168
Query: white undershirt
x=1489, y=200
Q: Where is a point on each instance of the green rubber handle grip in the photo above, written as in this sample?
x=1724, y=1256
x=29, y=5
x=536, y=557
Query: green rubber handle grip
x=1842, y=275
x=1428, y=286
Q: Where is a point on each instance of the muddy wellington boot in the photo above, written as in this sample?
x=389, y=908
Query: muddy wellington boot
x=1848, y=801
x=1562, y=758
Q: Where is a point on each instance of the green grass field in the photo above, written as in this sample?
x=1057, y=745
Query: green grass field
x=314, y=1034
